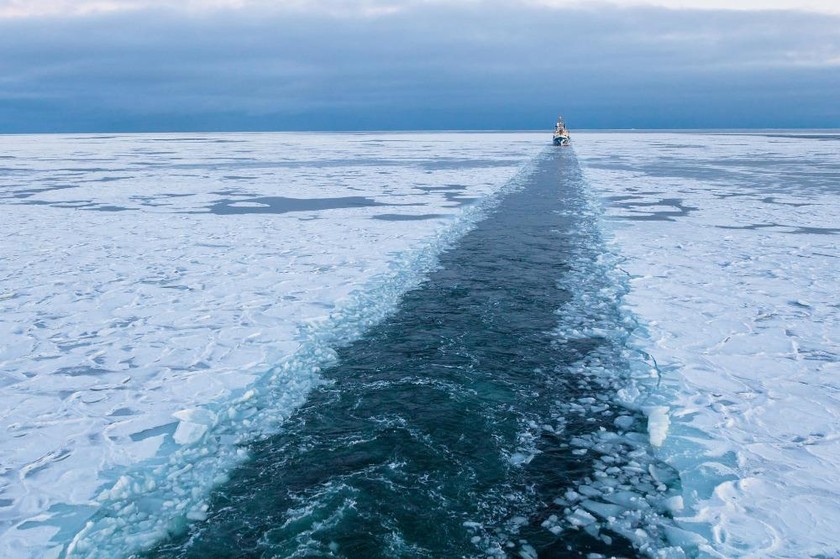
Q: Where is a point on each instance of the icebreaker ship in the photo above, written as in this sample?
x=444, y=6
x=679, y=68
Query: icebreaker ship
x=561, y=134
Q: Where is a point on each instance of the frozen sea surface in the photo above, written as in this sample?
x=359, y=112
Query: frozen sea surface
x=483, y=418
x=164, y=298
x=165, y=301
x=730, y=244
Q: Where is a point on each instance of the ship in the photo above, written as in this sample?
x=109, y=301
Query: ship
x=561, y=135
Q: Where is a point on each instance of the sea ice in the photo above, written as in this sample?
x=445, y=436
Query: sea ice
x=165, y=297
x=658, y=422
x=729, y=242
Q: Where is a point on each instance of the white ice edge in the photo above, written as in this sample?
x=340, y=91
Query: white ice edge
x=156, y=498
x=138, y=305
x=742, y=323
x=629, y=492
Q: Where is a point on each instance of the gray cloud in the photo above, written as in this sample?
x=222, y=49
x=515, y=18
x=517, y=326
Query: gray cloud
x=429, y=66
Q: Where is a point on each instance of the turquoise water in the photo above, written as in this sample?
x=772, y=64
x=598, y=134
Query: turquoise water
x=450, y=429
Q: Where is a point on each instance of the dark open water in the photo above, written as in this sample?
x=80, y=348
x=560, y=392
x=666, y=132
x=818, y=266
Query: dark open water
x=449, y=430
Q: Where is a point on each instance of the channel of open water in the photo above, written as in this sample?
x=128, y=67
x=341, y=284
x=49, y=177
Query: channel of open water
x=453, y=428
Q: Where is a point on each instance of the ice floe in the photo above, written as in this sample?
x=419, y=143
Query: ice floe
x=165, y=298
x=729, y=242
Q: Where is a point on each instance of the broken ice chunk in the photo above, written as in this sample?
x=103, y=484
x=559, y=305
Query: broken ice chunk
x=193, y=425
x=658, y=423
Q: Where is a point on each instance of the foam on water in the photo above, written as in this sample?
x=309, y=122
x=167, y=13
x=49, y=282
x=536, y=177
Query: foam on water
x=153, y=342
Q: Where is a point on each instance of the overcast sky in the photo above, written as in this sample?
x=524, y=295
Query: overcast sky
x=164, y=65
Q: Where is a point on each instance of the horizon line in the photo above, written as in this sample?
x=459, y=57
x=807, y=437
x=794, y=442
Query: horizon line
x=415, y=130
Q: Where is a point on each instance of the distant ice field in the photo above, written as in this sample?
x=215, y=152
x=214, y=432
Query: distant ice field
x=166, y=299
x=155, y=288
x=730, y=245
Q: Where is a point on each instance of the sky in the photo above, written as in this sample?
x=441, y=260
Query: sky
x=217, y=65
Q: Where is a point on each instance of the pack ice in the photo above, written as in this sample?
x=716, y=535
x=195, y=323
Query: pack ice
x=164, y=299
x=729, y=242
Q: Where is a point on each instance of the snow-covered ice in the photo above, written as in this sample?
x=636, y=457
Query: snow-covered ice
x=730, y=245
x=163, y=297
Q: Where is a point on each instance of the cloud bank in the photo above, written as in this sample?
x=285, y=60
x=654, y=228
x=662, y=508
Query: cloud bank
x=418, y=65
x=39, y=8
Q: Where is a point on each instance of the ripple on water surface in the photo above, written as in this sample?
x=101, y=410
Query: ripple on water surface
x=479, y=420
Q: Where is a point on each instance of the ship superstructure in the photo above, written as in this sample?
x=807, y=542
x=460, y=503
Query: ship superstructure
x=561, y=135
